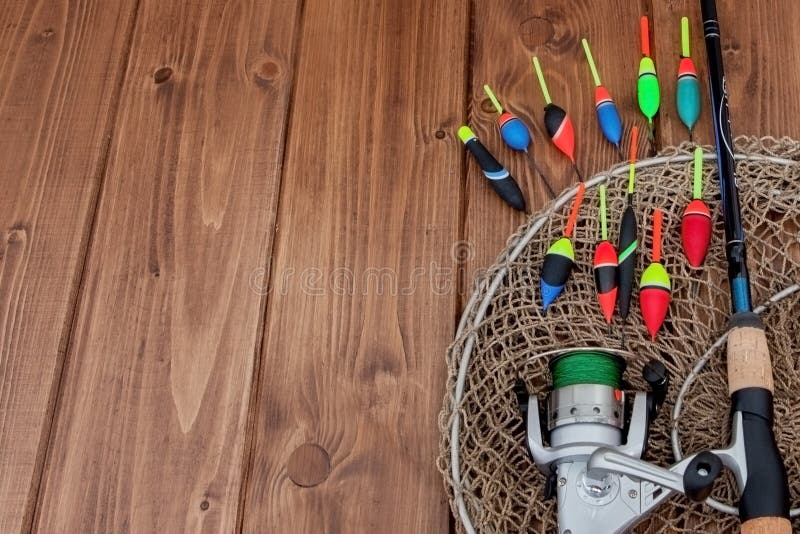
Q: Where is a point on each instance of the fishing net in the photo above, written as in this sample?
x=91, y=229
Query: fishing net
x=492, y=483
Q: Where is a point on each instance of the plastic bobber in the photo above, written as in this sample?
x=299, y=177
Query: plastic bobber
x=605, y=265
x=560, y=257
x=497, y=175
x=557, y=122
x=696, y=220
x=607, y=113
x=628, y=240
x=655, y=287
x=647, y=90
x=687, y=91
x=516, y=135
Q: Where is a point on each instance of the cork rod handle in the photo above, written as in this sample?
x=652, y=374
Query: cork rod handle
x=764, y=503
x=749, y=364
x=767, y=525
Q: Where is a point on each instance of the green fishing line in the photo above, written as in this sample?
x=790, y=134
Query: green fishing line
x=587, y=367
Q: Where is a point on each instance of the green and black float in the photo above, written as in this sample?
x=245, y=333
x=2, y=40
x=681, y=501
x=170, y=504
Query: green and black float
x=628, y=238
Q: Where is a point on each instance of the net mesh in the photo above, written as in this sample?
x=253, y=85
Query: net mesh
x=501, y=487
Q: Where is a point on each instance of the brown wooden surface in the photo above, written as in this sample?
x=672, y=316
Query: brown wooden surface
x=368, y=187
x=60, y=69
x=149, y=434
x=211, y=381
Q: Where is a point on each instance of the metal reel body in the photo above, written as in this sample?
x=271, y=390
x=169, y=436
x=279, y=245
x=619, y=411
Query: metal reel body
x=593, y=455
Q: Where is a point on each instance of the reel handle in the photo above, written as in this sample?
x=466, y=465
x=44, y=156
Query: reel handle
x=764, y=503
x=656, y=374
x=700, y=475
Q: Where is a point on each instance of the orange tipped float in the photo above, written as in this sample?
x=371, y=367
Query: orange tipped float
x=560, y=257
x=655, y=287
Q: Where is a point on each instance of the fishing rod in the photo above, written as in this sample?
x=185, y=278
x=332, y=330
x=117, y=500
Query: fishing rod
x=764, y=502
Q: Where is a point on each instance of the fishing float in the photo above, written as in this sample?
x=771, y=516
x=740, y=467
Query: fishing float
x=560, y=257
x=647, y=90
x=516, y=135
x=607, y=114
x=500, y=179
x=628, y=240
x=557, y=122
x=687, y=94
x=655, y=287
x=605, y=265
x=696, y=220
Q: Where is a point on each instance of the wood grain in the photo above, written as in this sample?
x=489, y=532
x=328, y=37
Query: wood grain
x=150, y=428
x=506, y=35
x=362, y=307
x=60, y=67
x=761, y=71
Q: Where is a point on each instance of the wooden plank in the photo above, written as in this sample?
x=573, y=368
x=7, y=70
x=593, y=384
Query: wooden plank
x=506, y=35
x=353, y=373
x=60, y=67
x=150, y=428
x=761, y=72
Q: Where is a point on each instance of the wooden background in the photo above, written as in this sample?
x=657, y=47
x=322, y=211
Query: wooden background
x=236, y=238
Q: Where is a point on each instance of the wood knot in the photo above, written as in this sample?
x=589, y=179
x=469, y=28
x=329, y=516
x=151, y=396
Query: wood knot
x=440, y=134
x=536, y=31
x=204, y=505
x=309, y=465
x=162, y=75
x=487, y=106
x=16, y=234
x=48, y=33
x=267, y=72
x=731, y=47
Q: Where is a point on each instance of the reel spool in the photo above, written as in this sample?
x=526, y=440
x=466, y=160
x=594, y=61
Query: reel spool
x=586, y=402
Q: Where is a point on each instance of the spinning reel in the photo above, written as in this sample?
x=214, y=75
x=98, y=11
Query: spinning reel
x=596, y=436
